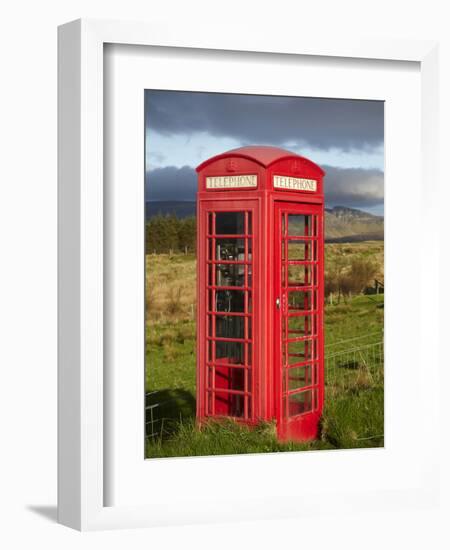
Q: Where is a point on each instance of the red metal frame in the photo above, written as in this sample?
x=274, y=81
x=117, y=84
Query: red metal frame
x=247, y=368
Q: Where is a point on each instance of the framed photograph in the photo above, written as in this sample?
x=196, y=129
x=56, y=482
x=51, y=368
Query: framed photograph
x=264, y=288
x=240, y=324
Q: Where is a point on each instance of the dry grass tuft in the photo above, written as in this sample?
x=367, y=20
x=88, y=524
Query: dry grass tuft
x=170, y=288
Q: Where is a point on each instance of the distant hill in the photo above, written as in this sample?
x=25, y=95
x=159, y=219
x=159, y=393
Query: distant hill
x=342, y=224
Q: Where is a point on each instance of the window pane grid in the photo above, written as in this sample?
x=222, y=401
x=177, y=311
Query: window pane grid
x=301, y=313
x=229, y=285
x=299, y=281
x=302, y=364
x=302, y=278
x=300, y=378
x=214, y=297
x=246, y=372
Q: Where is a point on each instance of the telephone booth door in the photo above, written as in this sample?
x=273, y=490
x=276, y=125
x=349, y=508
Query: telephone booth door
x=227, y=286
x=298, y=277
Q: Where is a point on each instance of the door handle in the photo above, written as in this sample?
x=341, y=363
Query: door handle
x=277, y=303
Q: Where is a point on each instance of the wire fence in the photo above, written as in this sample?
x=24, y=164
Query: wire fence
x=165, y=409
x=360, y=357
x=154, y=422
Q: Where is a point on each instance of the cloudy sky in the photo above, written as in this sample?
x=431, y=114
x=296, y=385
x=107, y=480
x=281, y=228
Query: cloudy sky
x=345, y=137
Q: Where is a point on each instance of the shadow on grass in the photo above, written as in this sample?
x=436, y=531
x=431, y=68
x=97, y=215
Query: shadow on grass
x=164, y=409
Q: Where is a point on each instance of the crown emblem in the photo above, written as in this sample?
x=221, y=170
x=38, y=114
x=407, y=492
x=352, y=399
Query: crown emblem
x=296, y=166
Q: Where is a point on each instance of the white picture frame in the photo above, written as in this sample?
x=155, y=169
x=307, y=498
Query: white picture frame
x=81, y=400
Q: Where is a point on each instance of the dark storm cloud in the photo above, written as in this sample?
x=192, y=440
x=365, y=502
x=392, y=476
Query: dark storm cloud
x=357, y=188
x=353, y=187
x=322, y=123
x=171, y=184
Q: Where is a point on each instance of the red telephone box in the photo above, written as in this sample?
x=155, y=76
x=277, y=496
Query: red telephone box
x=260, y=342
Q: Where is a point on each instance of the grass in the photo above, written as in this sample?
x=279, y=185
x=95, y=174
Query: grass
x=225, y=438
x=170, y=288
x=353, y=416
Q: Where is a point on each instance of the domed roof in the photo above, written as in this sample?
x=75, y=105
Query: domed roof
x=262, y=154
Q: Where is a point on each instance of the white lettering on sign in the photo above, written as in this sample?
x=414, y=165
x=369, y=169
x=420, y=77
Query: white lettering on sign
x=299, y=184
x=231, y=182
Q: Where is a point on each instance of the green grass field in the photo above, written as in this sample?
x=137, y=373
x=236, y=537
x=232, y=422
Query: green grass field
x=354, y=402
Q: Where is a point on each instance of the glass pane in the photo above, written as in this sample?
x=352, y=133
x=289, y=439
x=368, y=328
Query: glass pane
x=301, y=250
x=210, y=301
x=230, y=275
x=301, y=275
x=299, y=403
x=210, y=223
x=230, y=249
x=226, y=378
x=210, y=326
x=301, y=300
x=230, y=223
x=210, y=250
x=230, y=352
x=249, y=354
x=300, y=225
x=299, y=352
x=230, y=301
x=210, y=351
x=229, y=404
x=301, y=325
x=230, y=327
x=299, y=377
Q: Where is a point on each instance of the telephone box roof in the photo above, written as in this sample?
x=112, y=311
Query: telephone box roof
x=262, y=154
